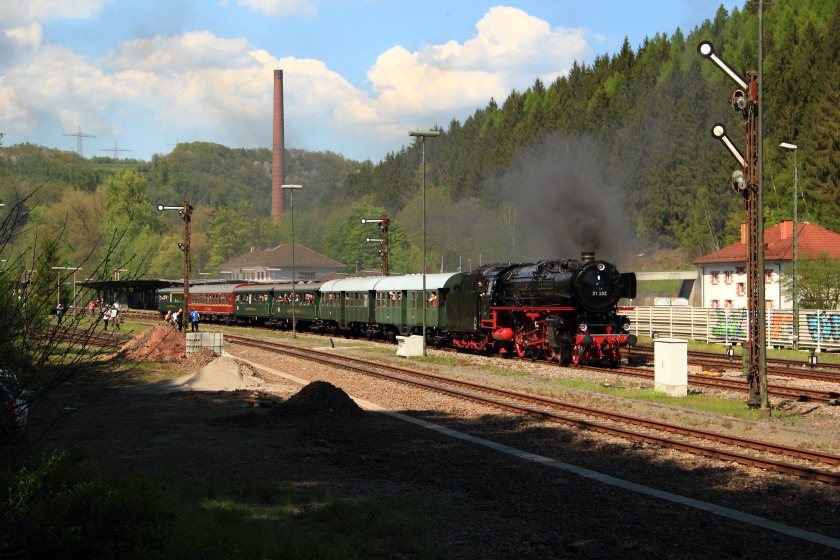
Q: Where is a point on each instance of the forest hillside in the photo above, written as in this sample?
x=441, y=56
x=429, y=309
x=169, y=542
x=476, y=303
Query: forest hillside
x=615, y=157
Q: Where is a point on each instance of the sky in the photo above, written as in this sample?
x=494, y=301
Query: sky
x=140, y=76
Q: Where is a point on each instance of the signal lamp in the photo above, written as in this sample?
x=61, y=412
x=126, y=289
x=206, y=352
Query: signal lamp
x=739, y=182
x=739, y=101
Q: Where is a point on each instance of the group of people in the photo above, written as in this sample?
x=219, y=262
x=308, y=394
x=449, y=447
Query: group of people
x=109, y=315
x=176, y=318
x=94, y=303
x=112, y=316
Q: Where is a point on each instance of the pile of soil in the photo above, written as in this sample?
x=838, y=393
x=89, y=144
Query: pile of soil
x=221, y=374
x=320, y=398
x=162, y=343
x=199, y=359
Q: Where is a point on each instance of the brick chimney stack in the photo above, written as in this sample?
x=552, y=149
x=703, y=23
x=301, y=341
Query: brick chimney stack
x=278, y=172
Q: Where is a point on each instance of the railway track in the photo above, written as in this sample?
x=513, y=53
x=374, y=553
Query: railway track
x=801, y=394
x=806, y=463
x=788, y=368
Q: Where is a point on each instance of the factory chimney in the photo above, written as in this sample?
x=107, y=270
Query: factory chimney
x=278, y=172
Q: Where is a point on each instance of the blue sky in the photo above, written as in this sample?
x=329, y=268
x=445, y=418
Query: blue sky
x=142, y=75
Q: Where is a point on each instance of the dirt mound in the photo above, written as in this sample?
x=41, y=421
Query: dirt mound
x=162, y=343
x=322, y=399
x=221, y=374
x=199, y=359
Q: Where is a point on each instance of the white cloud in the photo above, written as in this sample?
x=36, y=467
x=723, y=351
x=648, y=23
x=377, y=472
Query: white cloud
x=20, y=13
x=437, y=82
x=197, y=85
x=183, y=53
x=28, y=37
x=282, y=8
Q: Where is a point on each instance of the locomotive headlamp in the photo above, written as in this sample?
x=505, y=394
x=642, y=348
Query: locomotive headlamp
x=625, y=323
x=583, y=327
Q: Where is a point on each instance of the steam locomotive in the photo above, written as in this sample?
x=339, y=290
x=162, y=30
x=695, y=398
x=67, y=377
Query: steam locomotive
x=563, y=310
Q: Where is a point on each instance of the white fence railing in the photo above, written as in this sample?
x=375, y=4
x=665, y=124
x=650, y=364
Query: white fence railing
x=818, y=329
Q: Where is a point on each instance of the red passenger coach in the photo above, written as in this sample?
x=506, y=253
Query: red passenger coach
x=213, y=301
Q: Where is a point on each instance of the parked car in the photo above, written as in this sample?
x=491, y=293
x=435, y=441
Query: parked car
x=14, y=411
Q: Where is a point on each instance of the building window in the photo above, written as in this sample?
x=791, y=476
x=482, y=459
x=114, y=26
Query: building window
x=768, y=275
x=728, y=303
x=715, y=277
x=768, y=304
x=741, y=289
x=727, y=277
x=740, y=270
x=307, y=276
x=715, y=303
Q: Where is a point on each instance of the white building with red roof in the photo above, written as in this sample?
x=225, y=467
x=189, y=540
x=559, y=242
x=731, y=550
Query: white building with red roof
x=724, y=272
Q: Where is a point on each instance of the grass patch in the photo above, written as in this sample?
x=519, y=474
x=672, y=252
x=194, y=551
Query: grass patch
x=65, y=508
x=143, y=373
x=508, y=372
x=693, y=401
x=670, y=287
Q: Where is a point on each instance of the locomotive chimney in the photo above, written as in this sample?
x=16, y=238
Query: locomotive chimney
x=587, y=256
x=278, y=173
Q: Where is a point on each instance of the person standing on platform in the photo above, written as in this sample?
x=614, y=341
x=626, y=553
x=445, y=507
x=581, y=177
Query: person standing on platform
x=194, y=320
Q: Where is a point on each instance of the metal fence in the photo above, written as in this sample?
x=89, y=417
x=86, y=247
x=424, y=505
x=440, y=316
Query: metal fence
x=818, y=329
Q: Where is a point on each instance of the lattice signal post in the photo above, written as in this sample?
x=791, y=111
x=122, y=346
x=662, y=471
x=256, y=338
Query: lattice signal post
x=184, y=211
x=383, y=241
x=747, y=183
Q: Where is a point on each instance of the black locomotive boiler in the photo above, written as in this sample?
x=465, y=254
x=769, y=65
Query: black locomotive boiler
x=565, y=310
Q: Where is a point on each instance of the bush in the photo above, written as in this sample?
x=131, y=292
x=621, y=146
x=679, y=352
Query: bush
x=65, y=509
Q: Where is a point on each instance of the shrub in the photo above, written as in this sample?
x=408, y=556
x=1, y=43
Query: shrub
x=64, y=508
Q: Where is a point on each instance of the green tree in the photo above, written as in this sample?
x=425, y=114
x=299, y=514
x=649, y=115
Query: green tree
x=230, y=231
x=45, y=282
x=130, y=225
x=818, y=282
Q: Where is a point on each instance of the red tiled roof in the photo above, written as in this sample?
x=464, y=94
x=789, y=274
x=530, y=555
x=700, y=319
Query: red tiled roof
x=778, y=242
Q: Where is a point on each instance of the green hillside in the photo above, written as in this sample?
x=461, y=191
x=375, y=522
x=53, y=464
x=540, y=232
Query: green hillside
x=616, y=157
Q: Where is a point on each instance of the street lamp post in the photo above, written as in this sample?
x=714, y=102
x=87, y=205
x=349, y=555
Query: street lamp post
x=58, y=270
x=423, y=134
x=793, y=147
x=293, y=188
x=184, y=211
